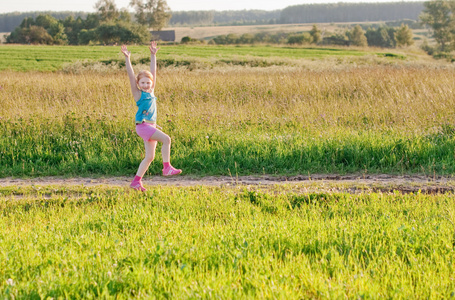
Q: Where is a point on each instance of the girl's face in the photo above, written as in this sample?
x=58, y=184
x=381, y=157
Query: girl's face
x=145, y=84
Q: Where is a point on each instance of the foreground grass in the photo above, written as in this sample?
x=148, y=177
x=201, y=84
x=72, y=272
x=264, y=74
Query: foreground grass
x=370, y=119
x=216, y=242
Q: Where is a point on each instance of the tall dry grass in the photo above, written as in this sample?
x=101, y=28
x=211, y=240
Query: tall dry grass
x=411, y=99
x=251, y=108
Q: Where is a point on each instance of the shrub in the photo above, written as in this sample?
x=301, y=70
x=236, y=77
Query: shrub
x=300, y=39
x=381, y=37
x=357, y=36
x=404, y=36
x=186, y=40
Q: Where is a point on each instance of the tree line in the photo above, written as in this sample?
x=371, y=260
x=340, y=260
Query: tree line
x=351, y=12
x=9, y=21
x=310, y=13
x=382, y=36
x=230, y=17
x=108, y=25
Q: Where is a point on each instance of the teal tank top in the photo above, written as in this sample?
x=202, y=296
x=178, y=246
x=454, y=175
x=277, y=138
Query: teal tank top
x=146, y=111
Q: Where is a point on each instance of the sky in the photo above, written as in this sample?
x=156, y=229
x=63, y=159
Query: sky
x=7, y=6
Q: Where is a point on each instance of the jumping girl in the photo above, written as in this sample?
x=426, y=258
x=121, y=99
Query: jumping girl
x=142, y=88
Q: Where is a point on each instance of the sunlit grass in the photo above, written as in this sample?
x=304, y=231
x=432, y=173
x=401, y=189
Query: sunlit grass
x=93, y=242
x=395, y=119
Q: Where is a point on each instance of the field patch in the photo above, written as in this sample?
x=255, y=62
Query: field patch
x=224, y=242
x=53, y=58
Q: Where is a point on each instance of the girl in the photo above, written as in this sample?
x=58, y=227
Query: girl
x=142, y=88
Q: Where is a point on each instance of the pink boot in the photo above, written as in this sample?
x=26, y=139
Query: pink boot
x=169, y=171
x=137, y=185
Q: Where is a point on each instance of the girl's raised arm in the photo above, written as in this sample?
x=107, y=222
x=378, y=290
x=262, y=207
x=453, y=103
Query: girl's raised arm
x=153, y=51
x=129, y=68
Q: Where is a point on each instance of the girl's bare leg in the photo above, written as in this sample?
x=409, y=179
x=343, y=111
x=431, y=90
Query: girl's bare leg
x=168, y=170
x=150, y=147
x=166, y=148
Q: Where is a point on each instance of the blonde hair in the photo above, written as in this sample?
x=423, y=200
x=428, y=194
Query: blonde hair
x=143, y=74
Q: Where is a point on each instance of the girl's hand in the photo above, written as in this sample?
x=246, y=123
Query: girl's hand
x=125, y=51
x=153, y=48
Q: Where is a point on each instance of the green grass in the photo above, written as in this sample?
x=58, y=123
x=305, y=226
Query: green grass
x=52, y=58
x=107, y=148
x=196, y=242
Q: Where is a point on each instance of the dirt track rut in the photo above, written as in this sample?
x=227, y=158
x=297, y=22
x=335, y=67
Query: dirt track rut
x=350, y=183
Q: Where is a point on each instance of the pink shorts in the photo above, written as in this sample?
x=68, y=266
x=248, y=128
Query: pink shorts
x=145, y=130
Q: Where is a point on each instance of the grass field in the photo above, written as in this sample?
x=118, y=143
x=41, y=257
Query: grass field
x=229, y=111
x=53, y=58
x=223, y=243
x=364, y=115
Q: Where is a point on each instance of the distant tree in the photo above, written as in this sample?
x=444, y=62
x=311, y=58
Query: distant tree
x=261, y=37
x=27, y=22
x=45, y=21
x=111, y=26
x=220, y=40
x=92, y=21
x=38, y=35
x=44, y=30
x=338, y=38
x=357, y=36
x=79, y=31
x=189, y=40
x=107, y=10
x=57, y=31
x=316, y=34
x=232, y=38
x=427, y=48
x=381, y=37
x=186, y=40
x=122, y=33
x=404, y=36
x=125, y=16
x=192, y=18
x=438, y=14
x=152, y=13
x=54, y=27
x=17, y=36
x=72, y=28
x=247, y=38
x=278, y=38
x=9, y=21
x=244, y=17
x=300, y=39
x=85, y=37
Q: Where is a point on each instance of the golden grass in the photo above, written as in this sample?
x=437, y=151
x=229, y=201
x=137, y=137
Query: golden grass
x=409, y=98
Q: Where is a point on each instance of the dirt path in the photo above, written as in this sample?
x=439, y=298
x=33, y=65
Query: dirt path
x=350, y=183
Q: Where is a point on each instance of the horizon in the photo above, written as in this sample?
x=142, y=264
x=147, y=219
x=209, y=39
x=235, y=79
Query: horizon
x=88, y=6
